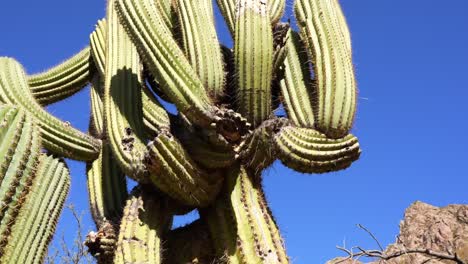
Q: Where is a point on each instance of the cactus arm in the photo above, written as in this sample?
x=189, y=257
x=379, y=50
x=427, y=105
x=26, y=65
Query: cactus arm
x=258, y=150
x=189, y=244
x=58, y=137
x=37, y=218
x=253, y=52
x=177, y=175
x=309, y=151
x=165, y=60
x=200, y=44
x=228, y=10
x=155, y=116
x=327, y=39
x=107, y=188
x=122, y=98
x=276, y=10
x=97, y=41
x=144, y=222
x=167, y=12
x=201, y=149
x=96, y=122
x=296, y=86
x=19, y=151
x=63, y=80
x=241, y=224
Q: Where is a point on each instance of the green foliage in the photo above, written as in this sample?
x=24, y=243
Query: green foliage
x=209, y=156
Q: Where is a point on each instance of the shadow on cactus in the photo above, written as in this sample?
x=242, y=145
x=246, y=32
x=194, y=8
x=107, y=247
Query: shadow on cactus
x=209, y=156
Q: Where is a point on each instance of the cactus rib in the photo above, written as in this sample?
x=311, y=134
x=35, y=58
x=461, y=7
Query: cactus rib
x=107, y=188
x=253, y=55
x=327, y=39
x=144, y=222
x=174, y=172
x=200, y=44
x=38, y=217
x=165, y=60
x=122, y=98
x=309, y=151
x=63, y=80
x=296, y=86
x=241, y=224
x=155, y=116
x=58, y=136
x=19, y=151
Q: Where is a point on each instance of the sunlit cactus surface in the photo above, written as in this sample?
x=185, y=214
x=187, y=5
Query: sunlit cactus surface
x=148, y=56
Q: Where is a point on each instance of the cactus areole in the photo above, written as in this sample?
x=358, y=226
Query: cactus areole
x=209, y=156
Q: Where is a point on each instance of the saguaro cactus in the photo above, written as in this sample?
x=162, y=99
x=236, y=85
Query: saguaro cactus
x=208, y=157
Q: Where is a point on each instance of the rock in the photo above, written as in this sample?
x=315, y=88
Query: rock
x=425, y=227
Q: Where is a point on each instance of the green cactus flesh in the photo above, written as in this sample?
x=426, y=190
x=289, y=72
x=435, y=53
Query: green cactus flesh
x=145, y=220
x=309, y=151
x=174, y=172
x=296, y=86
x=155, y=116
x=58, y=136
x=19, y=151
x=241, y=224
x=63, y=80
x=107, y=188
x=165, y=59
x=209, y=156
x=122, y=98
x=327, y=40
x=200, y=43
x=253, y=55
x=37, y=218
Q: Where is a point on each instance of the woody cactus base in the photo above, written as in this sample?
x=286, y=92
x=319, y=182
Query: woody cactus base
x=208, y=157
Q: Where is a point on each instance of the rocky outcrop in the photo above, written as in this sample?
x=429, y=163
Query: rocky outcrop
x=437, y=231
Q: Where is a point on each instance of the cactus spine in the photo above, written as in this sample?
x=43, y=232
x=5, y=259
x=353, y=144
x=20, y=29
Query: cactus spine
x=208, y=157
x=63, y=80
x=58, y=136
x=37, y=218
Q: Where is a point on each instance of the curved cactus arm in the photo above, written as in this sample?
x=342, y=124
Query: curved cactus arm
x=38, y=217
x=107, y=188
x=202, y=148
x=122, y=98
x=174, y=172
x=276, y=10
x=144, y=223
x=328, y=43
x=189, y=244
x=19, y=150
x=242, y=227
x=167, y=10
x=296, y=86
x=200, y=44
x=155, y=116
x=63, y=80
x=58, y=136
x=165, y=60
x=96, y=122
x=97, y=41
x=253, y=55
x=309, y=151
x=229, y=9
x=258, y=150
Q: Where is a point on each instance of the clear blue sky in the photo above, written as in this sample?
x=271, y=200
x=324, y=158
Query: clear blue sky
x=411, y=62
